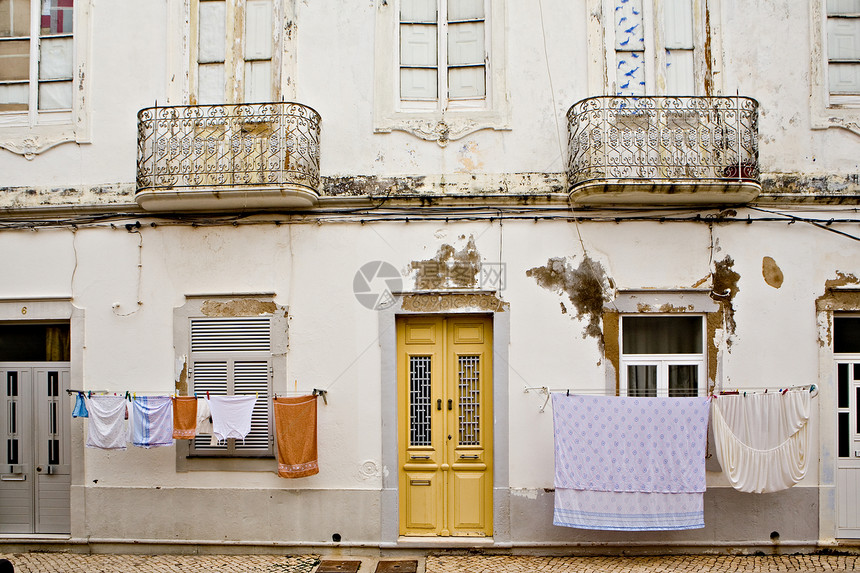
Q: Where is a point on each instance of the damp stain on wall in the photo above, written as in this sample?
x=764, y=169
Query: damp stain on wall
x=587, y=287
x=724, y=291
x=449, y=268
x=771, y=272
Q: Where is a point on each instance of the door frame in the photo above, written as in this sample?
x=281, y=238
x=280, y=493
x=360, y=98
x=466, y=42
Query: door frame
x=23, y=310
x=445, y=304
x=835, y=300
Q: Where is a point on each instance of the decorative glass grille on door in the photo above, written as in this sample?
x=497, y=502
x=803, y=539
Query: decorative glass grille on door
x=419, y=401
x=470, y=400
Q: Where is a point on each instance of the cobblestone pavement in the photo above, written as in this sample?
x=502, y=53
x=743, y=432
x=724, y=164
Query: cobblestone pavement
x=656, y=564
x=84, y=563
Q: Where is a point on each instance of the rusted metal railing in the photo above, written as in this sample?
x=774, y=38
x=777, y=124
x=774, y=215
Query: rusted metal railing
x=663, y=140
x=220, y=147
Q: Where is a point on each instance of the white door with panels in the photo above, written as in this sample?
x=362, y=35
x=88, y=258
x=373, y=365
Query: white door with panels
x=35, y=475
x=846, y=346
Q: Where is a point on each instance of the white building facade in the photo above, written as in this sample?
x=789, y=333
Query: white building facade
x=470, y=205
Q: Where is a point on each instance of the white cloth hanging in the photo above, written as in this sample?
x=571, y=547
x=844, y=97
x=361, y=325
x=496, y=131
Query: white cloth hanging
x=629, y=464
x=231, y=416
x=107, y=428
x=762, y=439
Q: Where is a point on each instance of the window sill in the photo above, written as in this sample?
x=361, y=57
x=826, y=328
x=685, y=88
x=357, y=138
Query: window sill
x=225, y=464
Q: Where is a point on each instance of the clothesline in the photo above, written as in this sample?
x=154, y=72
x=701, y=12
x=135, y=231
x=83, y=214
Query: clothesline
x=689, y=393
x=130, y=394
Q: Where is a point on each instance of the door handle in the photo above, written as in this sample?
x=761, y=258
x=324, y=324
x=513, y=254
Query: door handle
x=450, y=404
x=419, y=457
x=439, y=404
x=471, y=457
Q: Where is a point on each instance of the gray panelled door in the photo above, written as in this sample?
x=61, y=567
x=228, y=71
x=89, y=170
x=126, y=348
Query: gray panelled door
x=34, y=451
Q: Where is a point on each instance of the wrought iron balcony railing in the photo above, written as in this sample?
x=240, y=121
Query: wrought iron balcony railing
x=260, y=155
x=663, y=149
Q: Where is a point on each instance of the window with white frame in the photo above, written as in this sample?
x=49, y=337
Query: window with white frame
x=835, y=64
x=443, y=53
x=42, y=44
x=656, y=48
x=662, y=355
x=440, y=67
x=233, y=356
x=234, y=55
x=843, y=50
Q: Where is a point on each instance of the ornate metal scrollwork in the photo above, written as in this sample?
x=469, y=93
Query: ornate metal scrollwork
x=215, y=147
x=663, y=138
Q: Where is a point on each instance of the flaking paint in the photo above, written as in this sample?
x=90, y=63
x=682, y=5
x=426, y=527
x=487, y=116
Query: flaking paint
x=587, y=287
x=724, y=291
x=449, y=268
x=242, y=307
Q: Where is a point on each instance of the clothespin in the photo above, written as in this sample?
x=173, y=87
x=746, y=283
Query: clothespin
x=128, y=395
x=784, y=391
x=568, y=391
x=322, y=393
x=207, y=394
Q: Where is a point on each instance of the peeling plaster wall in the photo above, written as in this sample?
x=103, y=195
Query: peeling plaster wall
x=333, y=338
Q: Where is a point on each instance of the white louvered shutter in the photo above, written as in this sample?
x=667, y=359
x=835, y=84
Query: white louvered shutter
x=233, y=356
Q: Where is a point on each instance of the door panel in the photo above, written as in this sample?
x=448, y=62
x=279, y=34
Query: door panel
x=445, y=422
x=35, y=479
x=17, y=483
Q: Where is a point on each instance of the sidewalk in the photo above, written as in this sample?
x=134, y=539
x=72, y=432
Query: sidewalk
x=75, y=563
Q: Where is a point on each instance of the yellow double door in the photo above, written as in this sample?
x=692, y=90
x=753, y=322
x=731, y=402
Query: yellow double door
x=445, y=425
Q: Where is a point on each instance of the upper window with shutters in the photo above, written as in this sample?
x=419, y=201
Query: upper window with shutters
x=42, y=71
x=440, y=67
x=657, y=47
x=836, y=64
x=234, y=57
